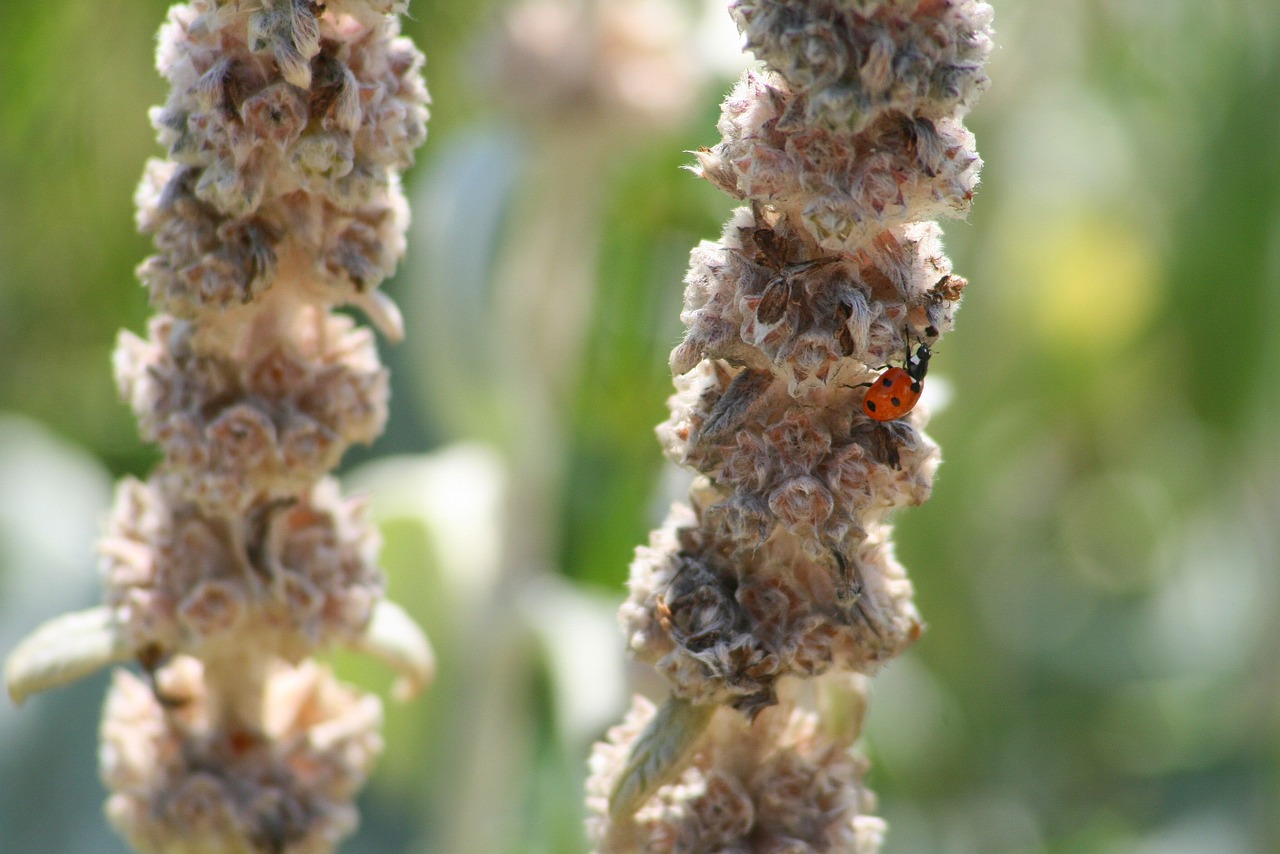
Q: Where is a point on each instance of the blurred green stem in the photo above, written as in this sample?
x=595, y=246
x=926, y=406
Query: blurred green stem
x=543, y=296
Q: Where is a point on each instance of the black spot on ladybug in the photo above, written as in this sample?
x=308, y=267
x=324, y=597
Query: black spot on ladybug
x=888, y=383
x=871, y=406
x=895, y=401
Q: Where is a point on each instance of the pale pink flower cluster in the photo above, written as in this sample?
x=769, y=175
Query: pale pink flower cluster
x=287, y=126
x=782, y=566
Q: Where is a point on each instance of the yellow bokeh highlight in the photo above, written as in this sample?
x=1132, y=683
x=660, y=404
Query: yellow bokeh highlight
x=1091, y=281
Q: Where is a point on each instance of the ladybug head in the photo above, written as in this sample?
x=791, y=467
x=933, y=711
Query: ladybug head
x=918, y=364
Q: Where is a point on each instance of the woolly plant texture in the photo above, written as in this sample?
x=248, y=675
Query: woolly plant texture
x=287, y=125
x=765, y=600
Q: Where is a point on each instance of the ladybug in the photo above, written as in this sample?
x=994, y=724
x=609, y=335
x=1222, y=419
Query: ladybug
x=895, y=392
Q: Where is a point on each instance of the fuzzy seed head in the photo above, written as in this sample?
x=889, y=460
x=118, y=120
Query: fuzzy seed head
x=290, y=575
x=848, y=187
x=858, y=59
x=725, y=623
x=781, y=570
x=286, y=127
x=254, y=418
x=180, y=783
x=776, y=784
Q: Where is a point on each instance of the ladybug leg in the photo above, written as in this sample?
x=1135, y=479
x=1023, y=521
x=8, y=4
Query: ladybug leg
x=868, y=383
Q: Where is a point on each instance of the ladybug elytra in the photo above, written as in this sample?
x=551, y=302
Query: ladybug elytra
x=896, y=392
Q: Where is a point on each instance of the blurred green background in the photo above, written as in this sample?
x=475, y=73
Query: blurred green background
x=1097, y=564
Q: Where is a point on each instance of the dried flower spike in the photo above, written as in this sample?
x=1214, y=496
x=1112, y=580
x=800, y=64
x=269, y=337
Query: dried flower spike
x=781, y=573
x=287, y=126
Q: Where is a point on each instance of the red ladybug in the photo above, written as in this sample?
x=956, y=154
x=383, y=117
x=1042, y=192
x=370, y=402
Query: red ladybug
x=896, y=391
